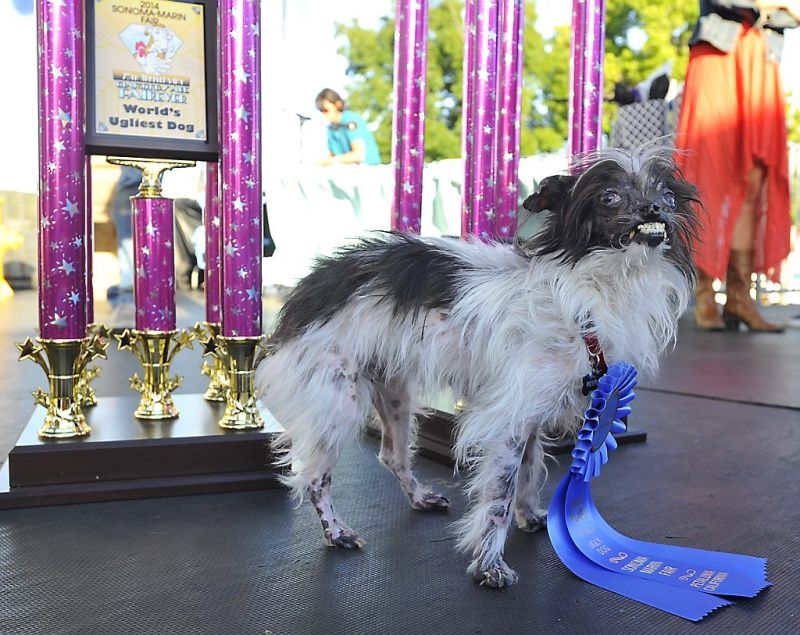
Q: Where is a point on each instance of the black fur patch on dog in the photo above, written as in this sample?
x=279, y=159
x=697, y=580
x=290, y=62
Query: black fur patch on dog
x=399, y=268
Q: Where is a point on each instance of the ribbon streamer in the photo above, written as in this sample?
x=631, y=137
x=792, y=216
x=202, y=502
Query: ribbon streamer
x=679, y=580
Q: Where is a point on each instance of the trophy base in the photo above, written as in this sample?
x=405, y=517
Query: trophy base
x=63, y=424
x=129, y=458
x=242, y=415
x=156, y=406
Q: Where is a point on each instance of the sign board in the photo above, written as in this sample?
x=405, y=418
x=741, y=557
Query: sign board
x=152, y=78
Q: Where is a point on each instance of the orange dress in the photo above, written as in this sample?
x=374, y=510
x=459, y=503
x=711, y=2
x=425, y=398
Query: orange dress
x=732, y=117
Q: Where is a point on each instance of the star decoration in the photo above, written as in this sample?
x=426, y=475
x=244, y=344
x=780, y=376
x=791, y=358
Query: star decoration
x=64, y=117
x=28, y=349
x=242, y=113
x=250, y=182
x=241, y=75
x=230, y=249
x=238, y=204
x=55, y=71
x=140, y=272
x=215, y=221
x=150, y=229
x=248, y=157
x=126, y=339
x=184, y=340
x=146, y=250
x=103, y=332
x=252, y=293
x=66, y=266
x=242, y=272
x=210, y=347
x=59, y=146
x=77, y=241
x=70, y=208
x=74, y=298
x=58, y=321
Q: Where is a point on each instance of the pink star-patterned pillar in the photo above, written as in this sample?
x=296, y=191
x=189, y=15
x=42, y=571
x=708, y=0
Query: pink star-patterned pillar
x=62, y=176
x=240, y=167
x=467, y=136
x=89, y=244
x=213, y=226
x=154, y=260
x=408, y=139
x=586, y=77
x=480, y=116
x=510, y=81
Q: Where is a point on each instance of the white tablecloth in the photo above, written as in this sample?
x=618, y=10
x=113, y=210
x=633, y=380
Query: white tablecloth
x=313, y=209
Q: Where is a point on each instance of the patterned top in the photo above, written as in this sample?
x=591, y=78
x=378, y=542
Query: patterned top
x=720, y=19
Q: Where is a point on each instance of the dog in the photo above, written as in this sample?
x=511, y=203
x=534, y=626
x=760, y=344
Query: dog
x=393, y=318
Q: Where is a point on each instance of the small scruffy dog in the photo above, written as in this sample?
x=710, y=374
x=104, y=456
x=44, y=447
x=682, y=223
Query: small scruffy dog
x=395, y=317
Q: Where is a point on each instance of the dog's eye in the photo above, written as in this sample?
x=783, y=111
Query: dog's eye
x=610, y=198
x=669, y=198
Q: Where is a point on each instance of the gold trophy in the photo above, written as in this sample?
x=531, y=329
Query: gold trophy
x=64, y=362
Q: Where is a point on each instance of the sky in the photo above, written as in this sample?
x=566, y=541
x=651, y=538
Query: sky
x=299, y=58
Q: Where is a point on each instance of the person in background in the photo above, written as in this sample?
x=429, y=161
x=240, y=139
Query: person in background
x=731, y=142
x=349, y=139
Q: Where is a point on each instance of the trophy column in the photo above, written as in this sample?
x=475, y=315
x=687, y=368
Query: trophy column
x=217, y=370
x=63, y=348
x=240, y=124
x=155, y=341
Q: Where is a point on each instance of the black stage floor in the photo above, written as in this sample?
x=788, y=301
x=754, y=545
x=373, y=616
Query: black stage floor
x=719, y=471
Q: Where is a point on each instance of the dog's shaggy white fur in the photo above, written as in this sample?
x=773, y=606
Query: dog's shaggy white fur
x=500, y=325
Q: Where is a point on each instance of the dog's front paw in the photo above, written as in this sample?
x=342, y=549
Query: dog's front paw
x=529, y=520
x=495, y=576
x=429, y=501
x=346, y=539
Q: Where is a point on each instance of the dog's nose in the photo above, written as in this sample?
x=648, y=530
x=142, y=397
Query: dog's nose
x=649, y=209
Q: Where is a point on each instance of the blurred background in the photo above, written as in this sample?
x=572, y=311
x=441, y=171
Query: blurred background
x=308, y=45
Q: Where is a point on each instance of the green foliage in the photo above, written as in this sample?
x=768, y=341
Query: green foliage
x=667, y=24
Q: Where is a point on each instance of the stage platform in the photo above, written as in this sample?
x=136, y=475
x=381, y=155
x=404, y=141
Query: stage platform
x=718, y=471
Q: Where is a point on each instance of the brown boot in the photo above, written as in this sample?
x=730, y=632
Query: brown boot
x=706, y=311
x=740, y=307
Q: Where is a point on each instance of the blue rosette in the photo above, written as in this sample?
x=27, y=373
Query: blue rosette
x=679, y=580
x=603, y=418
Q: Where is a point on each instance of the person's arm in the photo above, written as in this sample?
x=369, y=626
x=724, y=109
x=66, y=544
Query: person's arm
x=357, y=155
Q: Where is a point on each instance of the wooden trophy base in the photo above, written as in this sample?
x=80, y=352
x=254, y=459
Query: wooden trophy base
x=129, y=458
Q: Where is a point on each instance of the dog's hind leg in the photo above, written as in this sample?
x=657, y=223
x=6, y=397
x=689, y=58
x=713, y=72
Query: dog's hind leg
x=484, y=528
x=337, y=534
x=528, y=511
x=392, y=400
x=318, y=423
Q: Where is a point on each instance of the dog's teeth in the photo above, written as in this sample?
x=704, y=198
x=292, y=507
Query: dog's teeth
x=651, y=228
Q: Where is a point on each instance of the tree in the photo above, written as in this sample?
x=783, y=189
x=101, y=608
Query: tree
x=666, y=24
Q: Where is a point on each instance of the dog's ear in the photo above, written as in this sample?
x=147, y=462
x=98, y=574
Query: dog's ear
x=551, y=195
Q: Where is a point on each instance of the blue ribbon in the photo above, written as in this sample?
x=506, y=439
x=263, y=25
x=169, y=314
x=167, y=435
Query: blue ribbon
x=679, y=580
